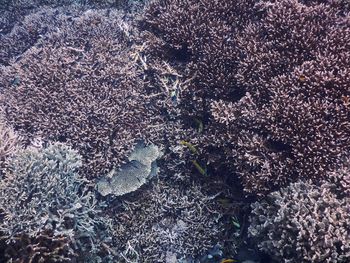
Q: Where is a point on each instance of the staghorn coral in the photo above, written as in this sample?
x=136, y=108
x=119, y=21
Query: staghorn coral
x=15, y=13
x=289, y=34
x=49, y=215
x=168, y=220
x=293, y=120
x=271, y=91
x=79, y=85
x=201, y=34
x=303, y=223
x=340, y=178
x=31, y=28
x=195, y=62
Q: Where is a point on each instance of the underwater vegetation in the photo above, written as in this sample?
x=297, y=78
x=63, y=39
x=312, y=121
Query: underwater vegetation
x=248, y=102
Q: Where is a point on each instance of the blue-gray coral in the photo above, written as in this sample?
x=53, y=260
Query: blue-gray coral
x=48, y=212
x=132, y=175
x=10, y=143
x=303, y=223
x=167, y=221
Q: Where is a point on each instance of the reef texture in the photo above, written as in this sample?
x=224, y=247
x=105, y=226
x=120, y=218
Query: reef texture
x=10, y=143
x=268, y=79
x=78, y=84
x=303, y=223
x=131, y=176
x=15, y=12
x=48, y=213
x=167, y=222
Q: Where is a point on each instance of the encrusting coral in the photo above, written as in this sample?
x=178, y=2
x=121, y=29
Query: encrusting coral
x=48, y=212
x=79, y=85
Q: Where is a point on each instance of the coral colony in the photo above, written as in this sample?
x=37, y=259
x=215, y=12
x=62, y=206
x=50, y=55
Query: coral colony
x=175, y=131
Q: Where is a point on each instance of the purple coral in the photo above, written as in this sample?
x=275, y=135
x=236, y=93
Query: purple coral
x=79, y=85
x=293, y=120
x=269, y=83
x=177, y=221
x=201, y=35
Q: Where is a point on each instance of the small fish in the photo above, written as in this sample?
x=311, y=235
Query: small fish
x=16, y=81
x=200, y=169
x=199, y=125
x=235, y=222
x=228, y=260
x=346, y=100
x=302, y=78
x=190, y=146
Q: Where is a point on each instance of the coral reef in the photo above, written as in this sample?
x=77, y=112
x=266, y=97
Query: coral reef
x=16, y=13
x=79, y=85
x=10, y=143
x=167, y=220
x=296, y=98
x=49, y=214
x=202, y=36
x=303, y=223
x=31, y=28
x=271, y=91
x=141, y=167
x=238, y=94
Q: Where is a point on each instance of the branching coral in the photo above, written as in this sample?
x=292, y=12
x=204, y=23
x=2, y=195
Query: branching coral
x=79, y=85
x=289, y=33
x=10, y=143
x=168, y=220
x=48, y=213
x=31, y=28
x=203, y=35
x=296, y=99
x=272, y=74
x=303, y=223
